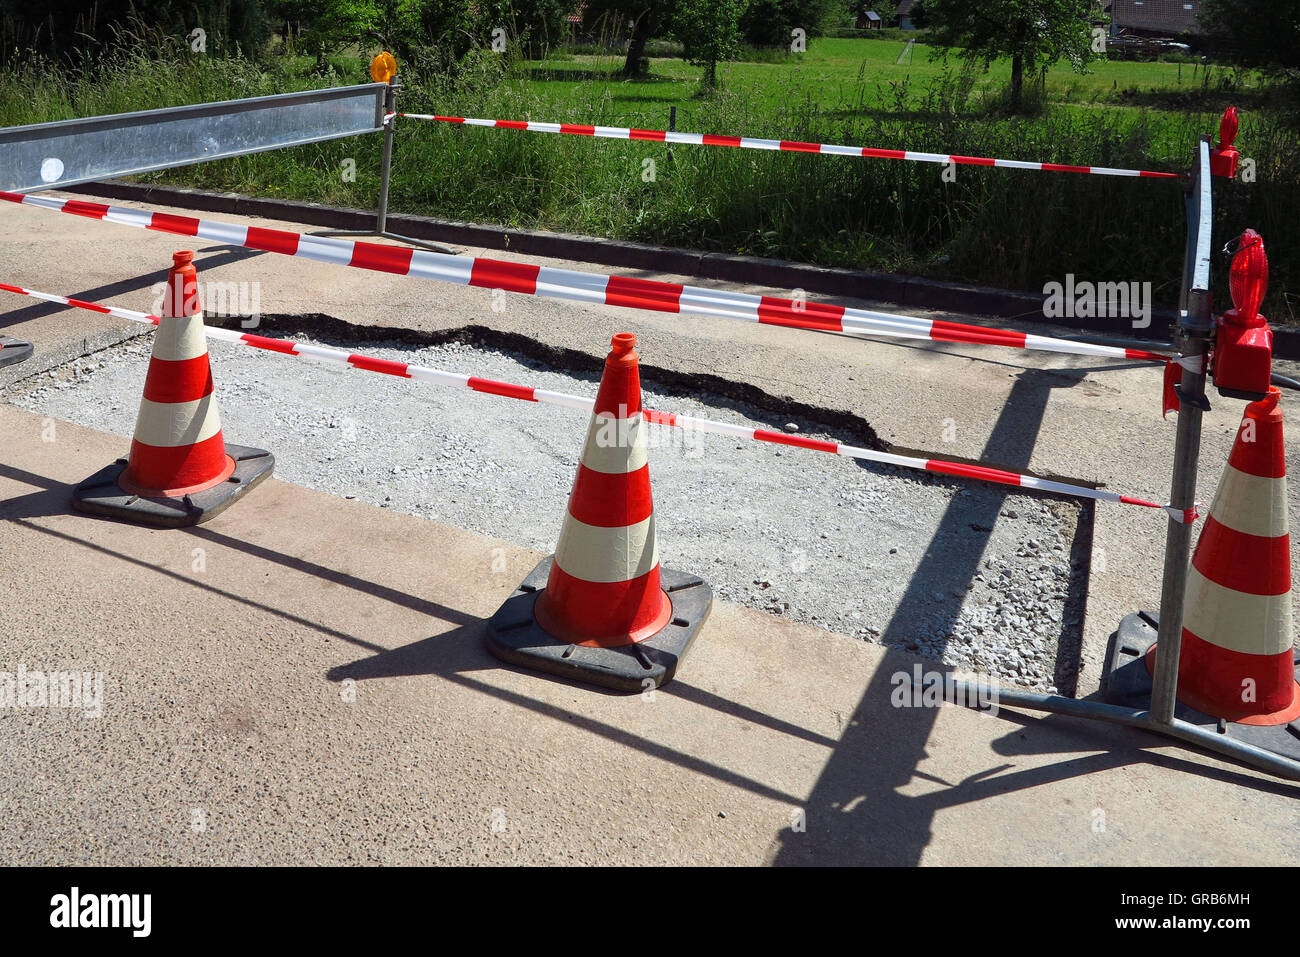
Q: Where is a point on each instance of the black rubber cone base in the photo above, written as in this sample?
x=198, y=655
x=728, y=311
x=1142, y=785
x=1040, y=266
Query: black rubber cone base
x=1127, y=683
x=101, y=495
x=13, y=350
x=514, y=635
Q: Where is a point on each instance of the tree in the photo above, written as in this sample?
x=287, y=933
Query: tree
x=325, y=26
x=768, y=23
x=710, y=32
x=646, y=17
x=1033, y=33
x=1263, y=33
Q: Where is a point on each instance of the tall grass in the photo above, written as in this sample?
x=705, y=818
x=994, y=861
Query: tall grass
x=1009, y=228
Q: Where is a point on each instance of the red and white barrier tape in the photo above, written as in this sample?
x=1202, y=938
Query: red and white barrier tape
x=546, y=281
x=671, y=419
x=792, y=146
x=1185, y=516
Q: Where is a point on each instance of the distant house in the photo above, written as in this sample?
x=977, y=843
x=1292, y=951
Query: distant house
x=869, y=21
x=904, y=13
x=1153, y=18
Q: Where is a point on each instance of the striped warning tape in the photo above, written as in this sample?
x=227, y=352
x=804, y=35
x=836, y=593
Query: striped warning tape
x=792, y=146
x=546, y=281
x=532, y=394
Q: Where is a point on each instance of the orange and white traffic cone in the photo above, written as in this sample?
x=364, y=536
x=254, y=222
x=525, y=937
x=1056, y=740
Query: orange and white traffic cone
x=602, y=609
x=180, y=470
x=1237, y=665
x=1238, y=660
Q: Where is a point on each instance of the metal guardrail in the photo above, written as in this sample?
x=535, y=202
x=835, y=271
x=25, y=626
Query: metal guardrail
x=51, y=155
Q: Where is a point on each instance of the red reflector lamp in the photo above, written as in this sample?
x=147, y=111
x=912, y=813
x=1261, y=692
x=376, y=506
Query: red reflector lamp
x=1243, y=347
x=1223, y=159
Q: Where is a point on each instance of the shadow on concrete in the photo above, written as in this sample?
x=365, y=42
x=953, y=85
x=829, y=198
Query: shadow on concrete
x=209, y=259
x=462, y=650
x=55, y=498
x=858, y=812
x=453, y=654
x=334, y=576
x=1055, y=733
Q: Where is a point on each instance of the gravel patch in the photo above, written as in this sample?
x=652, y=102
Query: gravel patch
x=964, y=573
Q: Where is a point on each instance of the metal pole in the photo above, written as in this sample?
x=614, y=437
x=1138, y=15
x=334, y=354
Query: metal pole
x=672, y=127
x=1194, y=339
x=386, y=166
x=385, y=178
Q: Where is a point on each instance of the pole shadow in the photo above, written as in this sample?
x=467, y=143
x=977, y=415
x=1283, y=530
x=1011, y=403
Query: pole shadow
x=857, y=812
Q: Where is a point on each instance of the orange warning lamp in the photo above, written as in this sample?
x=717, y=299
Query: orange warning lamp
x=1223, y=159
x=383, y=67
x=1243, y=349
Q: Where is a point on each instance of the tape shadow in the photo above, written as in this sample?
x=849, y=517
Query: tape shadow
x=210, y=258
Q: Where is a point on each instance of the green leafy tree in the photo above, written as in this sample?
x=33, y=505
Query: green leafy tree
x=645, y=17
x=539, y=25
x=1034, y=34
x=768, y=23
x=710, y=32
x=1262, y=33
x=323, y=27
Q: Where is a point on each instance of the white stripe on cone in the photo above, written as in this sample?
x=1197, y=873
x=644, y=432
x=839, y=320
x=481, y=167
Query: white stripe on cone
x=1235, y=620
x=607, y=554
x=1253, y=504
x=174, y=424
x=180, y=338
x=615, y=446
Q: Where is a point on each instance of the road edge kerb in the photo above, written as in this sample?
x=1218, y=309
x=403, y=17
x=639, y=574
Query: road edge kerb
x=905, y=291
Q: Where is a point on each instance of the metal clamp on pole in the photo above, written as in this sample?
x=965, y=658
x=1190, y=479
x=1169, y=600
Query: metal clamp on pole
x=383, y=69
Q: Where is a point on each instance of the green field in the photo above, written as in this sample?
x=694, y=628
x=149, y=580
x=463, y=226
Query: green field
x=1009, y=228
x=851, y=73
